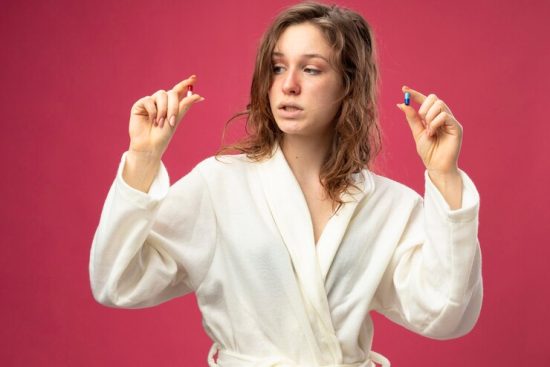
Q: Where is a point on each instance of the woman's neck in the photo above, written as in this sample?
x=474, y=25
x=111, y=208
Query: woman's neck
x=305, y=155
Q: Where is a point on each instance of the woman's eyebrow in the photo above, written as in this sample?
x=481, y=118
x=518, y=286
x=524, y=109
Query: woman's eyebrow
x=307, y=56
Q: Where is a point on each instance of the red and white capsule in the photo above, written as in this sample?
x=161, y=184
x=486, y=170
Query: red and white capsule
x=189, y=90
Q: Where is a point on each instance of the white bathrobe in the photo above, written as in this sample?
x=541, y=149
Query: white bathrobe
x=239, y=234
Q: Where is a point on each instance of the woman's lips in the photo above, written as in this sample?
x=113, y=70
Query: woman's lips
x=290, y=112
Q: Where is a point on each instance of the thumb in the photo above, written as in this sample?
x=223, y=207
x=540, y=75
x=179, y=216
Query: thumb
x=413, y=118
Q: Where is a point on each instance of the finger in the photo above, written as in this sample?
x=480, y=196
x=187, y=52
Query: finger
x=445, y=122
x=426, y=105
x=149, y=105
x=181, y=87
x=415, y=95
x=440, y=120
x=413, y=118
x=139, y=107
x=186, y=103
x=161, y=100
x=434, y=111
x=173, y=107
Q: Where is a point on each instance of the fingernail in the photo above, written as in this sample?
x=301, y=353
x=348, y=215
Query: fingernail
x=160, y=121
x=398, y=106
x=172, y=120
x=200, y=100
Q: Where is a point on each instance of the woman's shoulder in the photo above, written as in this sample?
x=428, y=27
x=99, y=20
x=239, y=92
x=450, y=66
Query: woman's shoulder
x=225, y=164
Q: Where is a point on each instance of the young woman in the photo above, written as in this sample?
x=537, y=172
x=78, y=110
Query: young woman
x=290, y=244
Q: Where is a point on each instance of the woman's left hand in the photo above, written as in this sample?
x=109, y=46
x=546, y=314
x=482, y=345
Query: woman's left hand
x=438, y=135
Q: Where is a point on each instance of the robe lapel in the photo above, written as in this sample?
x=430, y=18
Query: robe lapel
x=311, y=263
x=334, y=231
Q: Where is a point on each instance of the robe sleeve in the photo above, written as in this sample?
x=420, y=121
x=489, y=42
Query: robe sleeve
x=433, y=284
x=151, y=247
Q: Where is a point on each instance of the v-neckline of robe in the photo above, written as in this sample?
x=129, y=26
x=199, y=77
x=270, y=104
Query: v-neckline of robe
x=311, y=262
x=287, y=191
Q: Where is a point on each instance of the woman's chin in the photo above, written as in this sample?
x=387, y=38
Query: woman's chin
x=292, y=127
x=297, y=130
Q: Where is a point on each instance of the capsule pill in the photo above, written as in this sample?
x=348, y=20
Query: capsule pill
x=189, y=90
x=407, y=98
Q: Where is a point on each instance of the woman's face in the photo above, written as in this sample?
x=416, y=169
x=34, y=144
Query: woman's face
x=305, y=89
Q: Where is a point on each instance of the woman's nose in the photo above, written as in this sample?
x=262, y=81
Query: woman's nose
x=291, y=83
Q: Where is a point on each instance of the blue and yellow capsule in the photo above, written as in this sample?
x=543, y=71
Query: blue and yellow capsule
x=407, y=98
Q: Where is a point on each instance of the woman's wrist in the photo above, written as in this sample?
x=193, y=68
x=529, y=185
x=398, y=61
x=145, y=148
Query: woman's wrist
x=140, y=169
x=449, y=174
x=449, y=184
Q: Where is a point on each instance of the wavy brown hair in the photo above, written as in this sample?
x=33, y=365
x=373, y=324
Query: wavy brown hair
x=357, y=138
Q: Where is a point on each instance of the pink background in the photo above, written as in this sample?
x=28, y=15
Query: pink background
x=72, y=69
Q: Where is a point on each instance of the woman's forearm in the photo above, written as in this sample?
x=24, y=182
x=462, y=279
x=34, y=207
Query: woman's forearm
x=140, y=170
x=450, y=186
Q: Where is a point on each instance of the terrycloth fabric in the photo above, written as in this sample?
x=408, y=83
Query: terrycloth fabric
x=239, y=234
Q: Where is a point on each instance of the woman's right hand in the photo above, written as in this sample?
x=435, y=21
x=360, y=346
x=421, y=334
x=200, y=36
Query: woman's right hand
x=154, y=119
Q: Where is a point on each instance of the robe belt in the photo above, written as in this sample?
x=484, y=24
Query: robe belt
x=228, y=358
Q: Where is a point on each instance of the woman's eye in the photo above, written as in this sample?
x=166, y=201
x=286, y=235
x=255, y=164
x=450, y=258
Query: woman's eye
x=277, y=69
x=312, y=71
